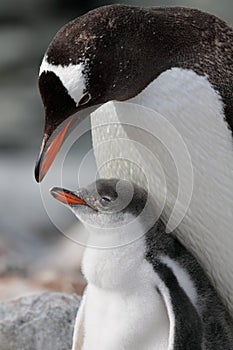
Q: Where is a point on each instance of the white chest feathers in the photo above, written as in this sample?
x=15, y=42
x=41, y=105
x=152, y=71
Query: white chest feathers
x=123, y=309
x=135, y=321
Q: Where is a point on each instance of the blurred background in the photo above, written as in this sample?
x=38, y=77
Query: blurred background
x=34, y=255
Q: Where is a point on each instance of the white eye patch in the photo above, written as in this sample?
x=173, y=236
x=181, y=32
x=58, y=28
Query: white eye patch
x=71, y=76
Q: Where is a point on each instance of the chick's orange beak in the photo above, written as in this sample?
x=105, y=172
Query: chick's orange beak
x=48, y=155
x=66, y=196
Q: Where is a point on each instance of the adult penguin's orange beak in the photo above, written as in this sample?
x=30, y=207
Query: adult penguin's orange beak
x=49, y=150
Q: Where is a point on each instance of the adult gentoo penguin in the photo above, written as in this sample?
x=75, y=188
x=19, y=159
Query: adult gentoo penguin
x=177, y=62
x=149, y=294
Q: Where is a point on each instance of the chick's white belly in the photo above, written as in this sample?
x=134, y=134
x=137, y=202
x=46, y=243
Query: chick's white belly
x=129, y=321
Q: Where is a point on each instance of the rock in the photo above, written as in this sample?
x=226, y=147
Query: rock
x=40, y=322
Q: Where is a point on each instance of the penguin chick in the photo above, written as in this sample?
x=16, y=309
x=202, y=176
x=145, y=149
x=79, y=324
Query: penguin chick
x=145, y=289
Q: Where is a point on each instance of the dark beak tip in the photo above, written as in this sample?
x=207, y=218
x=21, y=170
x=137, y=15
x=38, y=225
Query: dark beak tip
x=54, y=190
x=37, y=172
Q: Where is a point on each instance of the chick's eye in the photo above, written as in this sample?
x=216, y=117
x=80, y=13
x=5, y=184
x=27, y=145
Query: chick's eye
x=105, y=200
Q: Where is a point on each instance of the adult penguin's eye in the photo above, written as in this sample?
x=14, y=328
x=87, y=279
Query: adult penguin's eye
x=85, y=99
